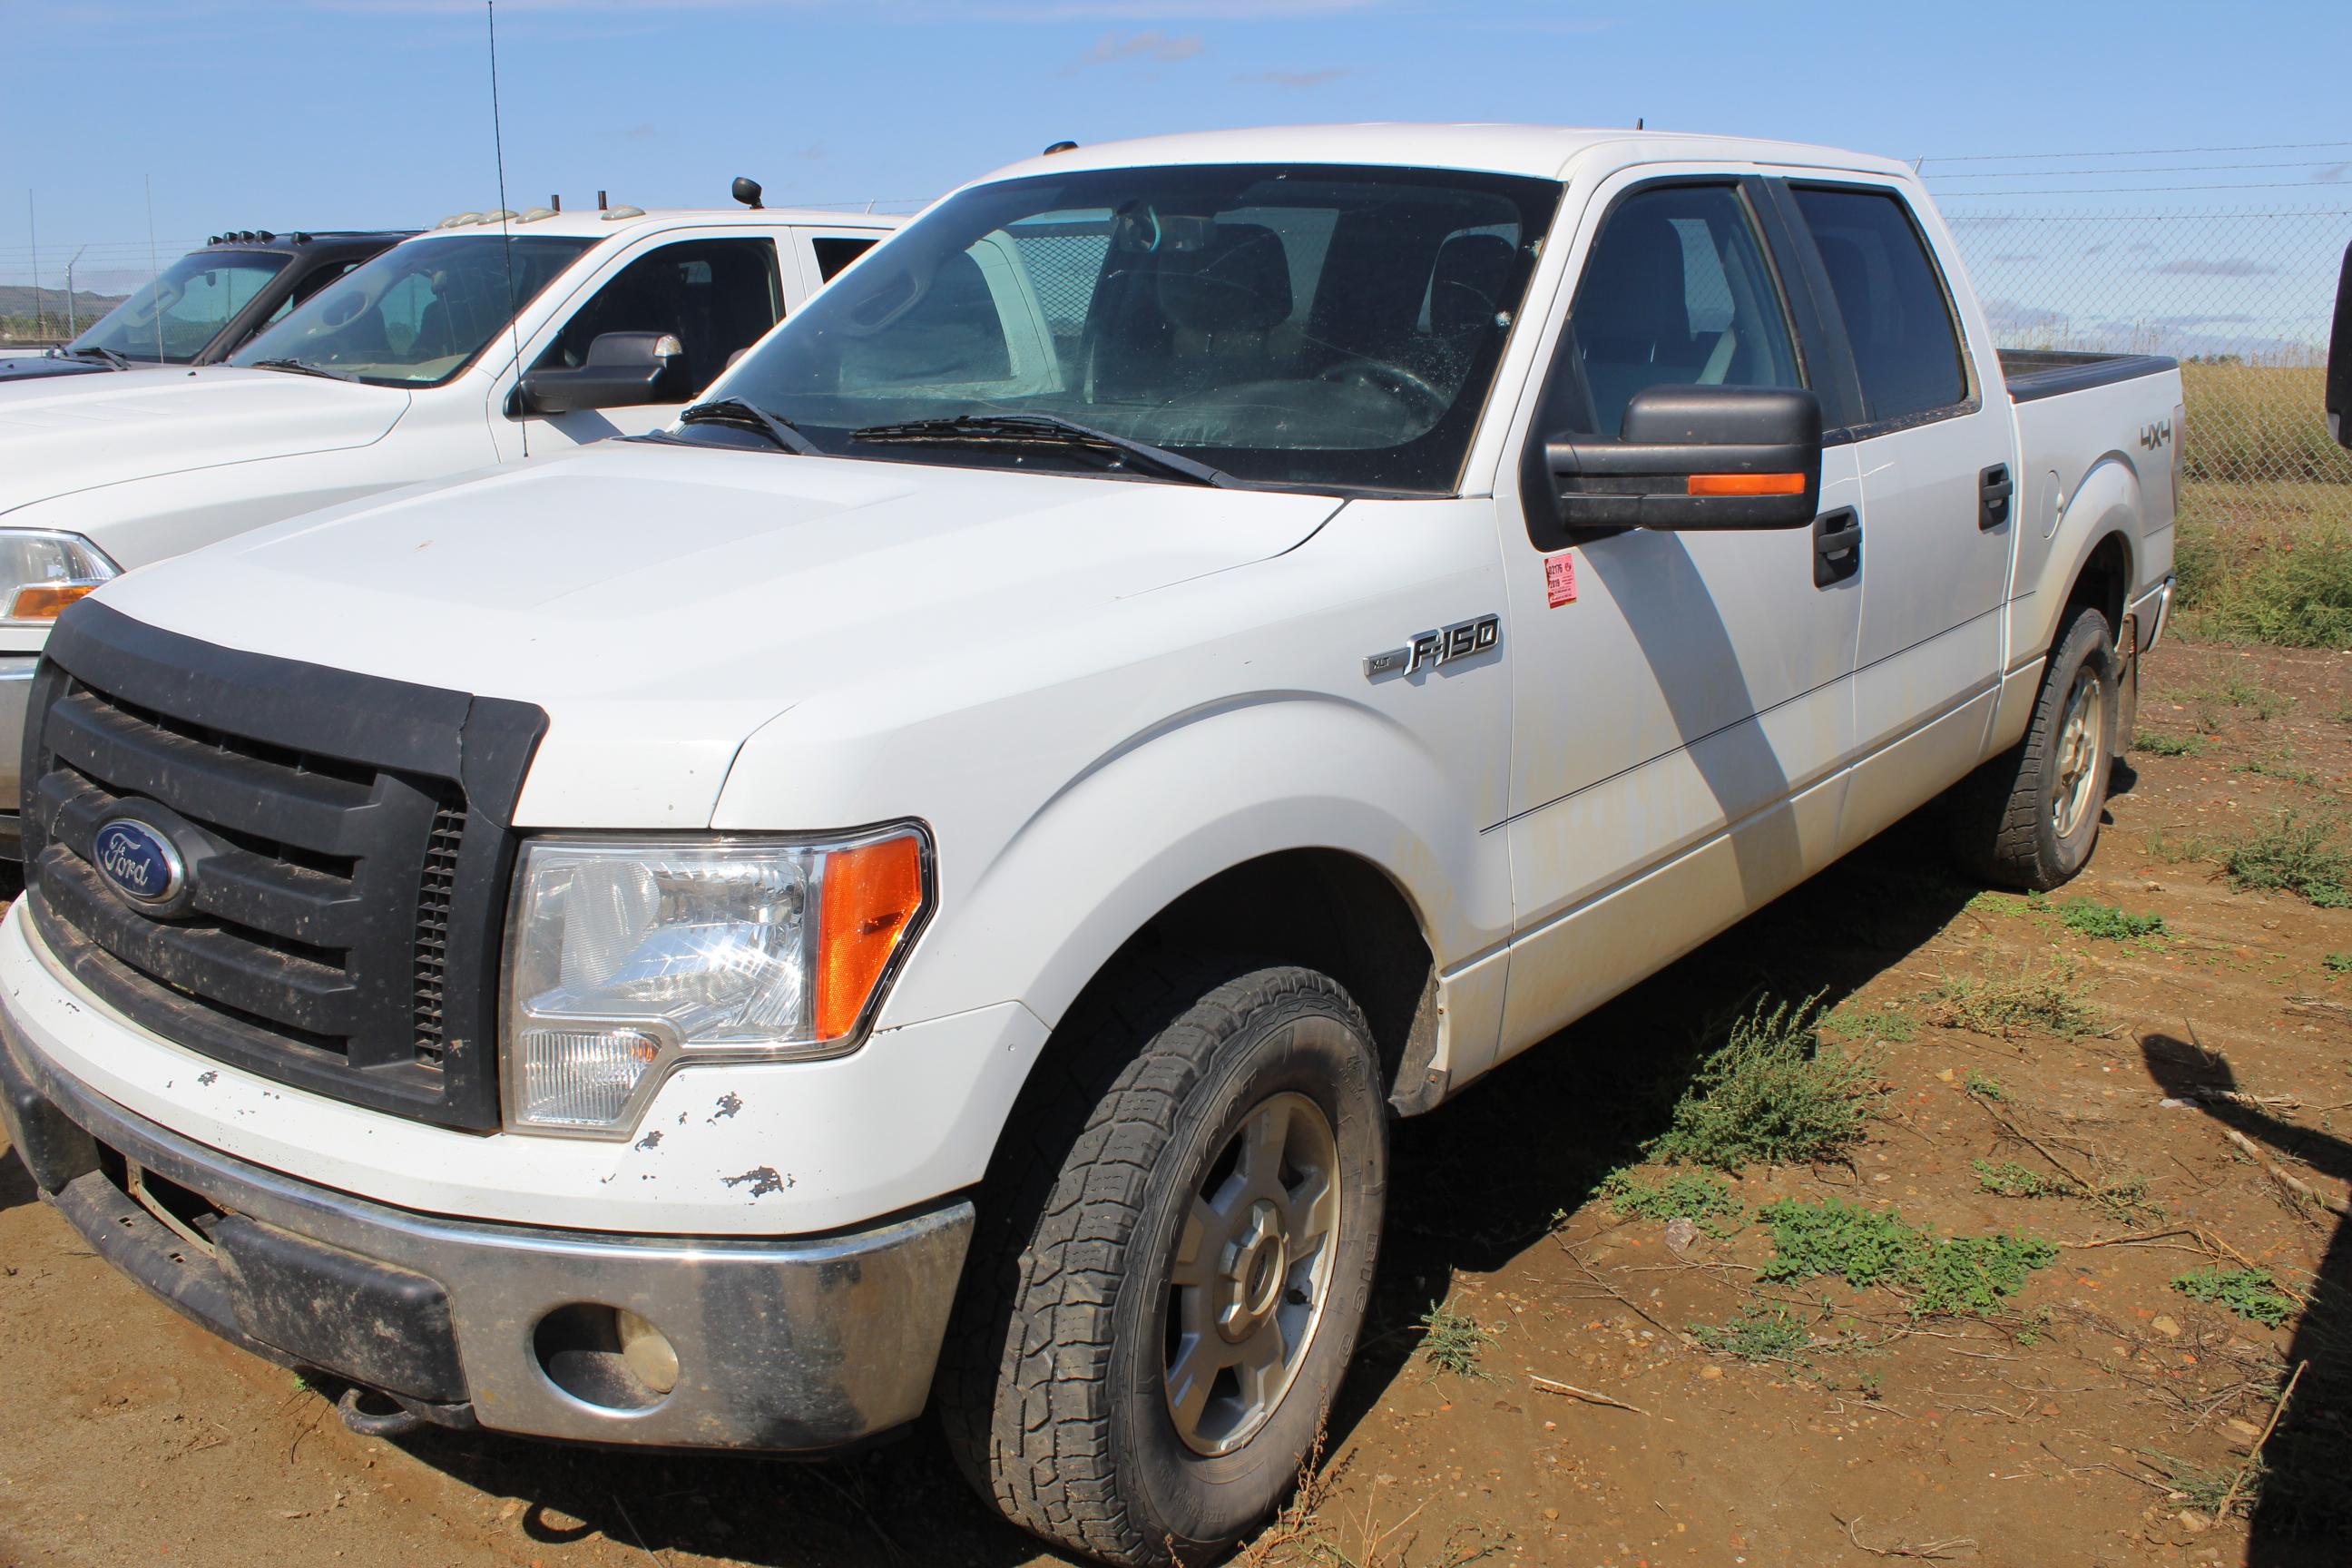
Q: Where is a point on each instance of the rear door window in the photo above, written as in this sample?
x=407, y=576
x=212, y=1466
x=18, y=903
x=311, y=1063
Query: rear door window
x=836, y=251
x=1891, y=295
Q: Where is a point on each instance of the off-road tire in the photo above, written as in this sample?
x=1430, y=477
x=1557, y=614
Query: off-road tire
x=1052, y=1387
x=2003, y=814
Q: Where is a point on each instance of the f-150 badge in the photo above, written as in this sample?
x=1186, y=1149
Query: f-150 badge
x=1443, y=647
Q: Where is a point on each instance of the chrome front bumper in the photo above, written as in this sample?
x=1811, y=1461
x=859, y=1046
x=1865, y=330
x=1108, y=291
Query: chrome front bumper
x=794, y=1346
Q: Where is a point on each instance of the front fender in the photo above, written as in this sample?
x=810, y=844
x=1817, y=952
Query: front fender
x=1180, y=804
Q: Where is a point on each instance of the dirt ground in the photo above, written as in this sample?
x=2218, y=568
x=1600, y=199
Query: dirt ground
x=2099, y=1418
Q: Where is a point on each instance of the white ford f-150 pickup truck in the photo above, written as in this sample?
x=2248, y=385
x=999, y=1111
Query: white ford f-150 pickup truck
x=410, y=368
x=928, y=884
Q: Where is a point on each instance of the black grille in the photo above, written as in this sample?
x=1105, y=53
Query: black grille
x=348, y=848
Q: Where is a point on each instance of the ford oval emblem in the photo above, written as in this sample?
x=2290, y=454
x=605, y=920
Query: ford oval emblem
x=139, y=861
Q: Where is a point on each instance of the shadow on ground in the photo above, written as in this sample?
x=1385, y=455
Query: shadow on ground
x=2303, y=1496
x=15, y=1182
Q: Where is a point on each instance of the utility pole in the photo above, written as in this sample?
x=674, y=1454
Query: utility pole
x=32, y=232
x=73, y=323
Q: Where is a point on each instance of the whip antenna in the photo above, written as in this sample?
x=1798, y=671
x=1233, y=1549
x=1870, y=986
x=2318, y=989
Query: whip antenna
x=506, y=241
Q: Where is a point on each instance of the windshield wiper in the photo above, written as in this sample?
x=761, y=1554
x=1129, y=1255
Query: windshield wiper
x=94, y=352
x=735, y=411
x=299, y=368
x=1041, y=430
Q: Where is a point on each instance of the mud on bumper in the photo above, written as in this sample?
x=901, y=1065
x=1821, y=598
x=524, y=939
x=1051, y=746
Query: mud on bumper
x=794, y=1345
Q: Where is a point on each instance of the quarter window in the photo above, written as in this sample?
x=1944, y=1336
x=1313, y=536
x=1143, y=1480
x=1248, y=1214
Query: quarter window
x=1676, y=292
x=1897, y=313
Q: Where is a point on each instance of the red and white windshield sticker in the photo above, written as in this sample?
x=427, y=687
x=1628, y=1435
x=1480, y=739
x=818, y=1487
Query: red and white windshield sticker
x=1559, y=579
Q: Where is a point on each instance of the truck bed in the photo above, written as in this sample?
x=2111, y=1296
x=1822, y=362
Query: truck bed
x=2047, y=372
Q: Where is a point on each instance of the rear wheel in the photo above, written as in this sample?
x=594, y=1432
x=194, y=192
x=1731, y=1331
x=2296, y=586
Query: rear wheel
x=2030, y=818
x=1175, y=1261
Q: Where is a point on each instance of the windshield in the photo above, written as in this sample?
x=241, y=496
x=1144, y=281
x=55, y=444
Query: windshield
x=417, y=314
x=1314, y=327
x=176, y=316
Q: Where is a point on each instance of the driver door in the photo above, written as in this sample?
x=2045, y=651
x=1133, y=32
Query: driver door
x=716, y=295
x=1682, y=700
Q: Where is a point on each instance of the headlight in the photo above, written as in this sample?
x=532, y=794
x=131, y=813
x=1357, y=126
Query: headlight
x=42, y=572
x=627, y=960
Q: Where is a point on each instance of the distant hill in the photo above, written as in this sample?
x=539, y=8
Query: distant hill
x=16, y=309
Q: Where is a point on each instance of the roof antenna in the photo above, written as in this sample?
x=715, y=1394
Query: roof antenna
x=154, y=268
x=506, y=243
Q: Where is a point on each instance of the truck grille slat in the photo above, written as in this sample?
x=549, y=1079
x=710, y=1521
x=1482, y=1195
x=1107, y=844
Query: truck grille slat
x=347, y=844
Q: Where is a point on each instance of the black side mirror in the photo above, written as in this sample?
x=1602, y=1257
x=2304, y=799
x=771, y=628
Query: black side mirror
x=1695, y=457
x=746, y=190
x=2339, y=359
x=624, y=370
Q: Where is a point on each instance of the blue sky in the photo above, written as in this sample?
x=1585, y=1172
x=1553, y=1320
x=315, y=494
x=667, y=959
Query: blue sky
x=323, y=113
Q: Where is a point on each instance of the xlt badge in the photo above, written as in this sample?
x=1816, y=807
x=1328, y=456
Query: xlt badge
x=1442, y=646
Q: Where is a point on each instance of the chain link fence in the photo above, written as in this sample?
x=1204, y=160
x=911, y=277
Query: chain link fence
x=2242, y=298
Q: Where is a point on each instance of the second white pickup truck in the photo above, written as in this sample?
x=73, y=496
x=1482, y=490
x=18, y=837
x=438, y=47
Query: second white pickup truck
x=928, y=884
x=412, y=367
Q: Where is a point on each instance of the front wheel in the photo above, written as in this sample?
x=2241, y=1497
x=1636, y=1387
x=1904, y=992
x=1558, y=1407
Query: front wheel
x=2030, y=818
x=1182, y=1256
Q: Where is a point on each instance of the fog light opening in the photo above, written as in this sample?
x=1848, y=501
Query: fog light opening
x=605, y=1356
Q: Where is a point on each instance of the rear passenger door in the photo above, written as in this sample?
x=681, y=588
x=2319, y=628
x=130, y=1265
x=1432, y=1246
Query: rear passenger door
x=1938, y=468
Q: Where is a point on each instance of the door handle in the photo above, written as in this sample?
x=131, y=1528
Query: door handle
x=1837, y=546
x=1993, y=491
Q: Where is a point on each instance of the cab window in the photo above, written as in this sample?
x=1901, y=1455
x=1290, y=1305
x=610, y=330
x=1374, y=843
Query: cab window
x=717, y=297
x=1676, y=292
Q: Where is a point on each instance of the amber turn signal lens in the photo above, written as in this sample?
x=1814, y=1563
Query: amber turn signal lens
x=872, y=895
x=1747, y=484
x=44, y=601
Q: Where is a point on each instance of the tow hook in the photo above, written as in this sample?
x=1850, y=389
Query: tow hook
x=375, y=1414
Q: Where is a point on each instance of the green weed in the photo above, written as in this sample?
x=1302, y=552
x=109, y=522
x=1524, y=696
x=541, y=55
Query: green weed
x=1770, y=1094
x=1984, y=1085
x=2107, y=922
x=2337, y=963
x=2008, y=1179
x=1693, y=1195
x=2249, y=1292
x=1970, y=1275
x=1752, y=1334
x=2303, y=856
x=2269, y=586
x=2051, y=1001
x=2158, y=745
x=1455, y=1342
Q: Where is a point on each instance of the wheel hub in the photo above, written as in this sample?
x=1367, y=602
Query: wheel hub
x=1251, y=1272
x=2081, y=737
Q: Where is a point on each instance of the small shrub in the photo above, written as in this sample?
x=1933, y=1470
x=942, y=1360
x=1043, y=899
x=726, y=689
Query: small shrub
x=2008, y=1179
x=1693, y=1195
x=1963, y=1274
x=1889, y=1024
x=2337, y=963
x=2157, y=745
x=1985, y=1085
x=1751, y=1334
x=2107, y=922
x=2206, y=1489
x=1770, y=1094
x=2051, y=1001
x=2303, y=856
x=2278, y=768
x=2236, y=692
x=2249, y=1292
x=2293, y=591
x=1455, y=1342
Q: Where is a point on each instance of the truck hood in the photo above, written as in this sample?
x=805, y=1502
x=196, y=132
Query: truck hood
x=63, y=434
x=663, y=602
